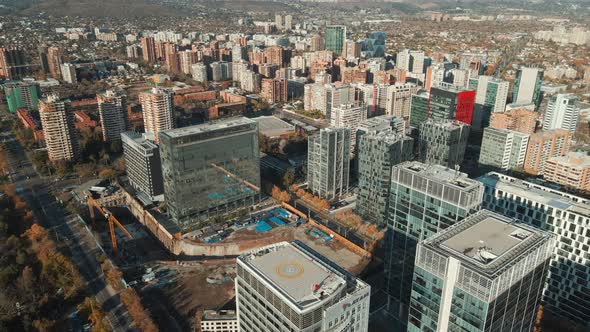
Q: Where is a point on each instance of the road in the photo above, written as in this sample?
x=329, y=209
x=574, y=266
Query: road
x=82, y=247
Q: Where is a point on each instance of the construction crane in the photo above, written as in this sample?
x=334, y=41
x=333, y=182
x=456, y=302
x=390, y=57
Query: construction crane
x=111, y=220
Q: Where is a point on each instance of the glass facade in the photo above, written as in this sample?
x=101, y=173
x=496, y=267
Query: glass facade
x=419, y=109
x=210, y=169
x=374, y=44
x=22, y=95
x=451, y=105
x=335, y=38
x=423, y=201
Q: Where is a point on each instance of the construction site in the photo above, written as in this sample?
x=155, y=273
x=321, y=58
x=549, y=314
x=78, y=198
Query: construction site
x=178, y=274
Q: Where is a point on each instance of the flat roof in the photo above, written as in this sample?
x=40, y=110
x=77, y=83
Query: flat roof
x=440, y=174
x=486, y=239
x=300, y=276
x=272, y=126
x=207, y=127
x=487, y=242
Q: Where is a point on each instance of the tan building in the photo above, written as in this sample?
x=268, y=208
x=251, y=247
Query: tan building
x=158, y=111
x=572, y=170
x=520, y=120
x=542, y=146
x=57, y=120
x=54, y=61
x=274, y=90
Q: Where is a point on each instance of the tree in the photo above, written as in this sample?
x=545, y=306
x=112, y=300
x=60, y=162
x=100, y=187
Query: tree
x=288, y=178
x=107, y=173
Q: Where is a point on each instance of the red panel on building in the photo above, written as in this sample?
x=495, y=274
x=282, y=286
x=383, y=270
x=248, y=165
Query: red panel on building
x=465, y=105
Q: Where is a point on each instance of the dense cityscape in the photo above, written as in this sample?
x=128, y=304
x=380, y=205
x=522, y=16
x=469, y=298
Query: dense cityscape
x=237, y=166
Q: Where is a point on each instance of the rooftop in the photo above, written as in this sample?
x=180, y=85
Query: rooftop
x=574, y=159
x=302, y=277
x=537, y=193
x=272, y=126
x=440, y=174
x=487, y=242
x=219, y=315
x=207, y=127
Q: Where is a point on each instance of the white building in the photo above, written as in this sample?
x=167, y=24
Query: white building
x=503, y=148
x=290, y=287
x=328, y=163
x=562, y=113
x=399, y=99
x=199, y=71
x=68, y=73
x=348, y=116
x=219, y=321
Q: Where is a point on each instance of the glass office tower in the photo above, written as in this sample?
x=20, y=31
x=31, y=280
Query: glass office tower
x=423, y=201
x=210, y=169
x=485, y=273
x=335, y=38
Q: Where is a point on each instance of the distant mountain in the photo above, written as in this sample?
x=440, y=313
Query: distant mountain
x=112, y=8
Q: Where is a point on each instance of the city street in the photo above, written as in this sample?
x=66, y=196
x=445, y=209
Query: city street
x=82, y=247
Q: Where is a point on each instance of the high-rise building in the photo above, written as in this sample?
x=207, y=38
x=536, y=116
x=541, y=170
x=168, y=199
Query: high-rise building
x=568, y=217
x=520, y=120
x=328, y=163
x=210, y=169
x=503, y=149
x=68, y=73
x=43, y=62
x=57, y=120
x=187, y=59
x=238, y=53
x=221, y=71
x=279, y=21
x=112, y=110
x=403, y=60
x=399, y=99
x=12, y=63
x=374, y=44
x=490, y=92
x=423, y=201
x=148, y=49
x=527, y=86
x=348, y=116
x=451, y=102
x=22, y=95
x=142, y=164
x=55, y=59
x=442, y=142
x=274, y=90
x=325, y=97
x=335, y=38
x=485, y=273
x=417, y=62
x=544, y=145
x=158, y=111
x=562, y=113
x=571, y=170
x=353, y=49
x=291, y=287
x=378, y=152
x=288, y=22
x=199, y=71
x=419, y=108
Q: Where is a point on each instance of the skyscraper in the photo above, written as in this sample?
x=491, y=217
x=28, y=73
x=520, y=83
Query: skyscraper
x=485, y=273
x=274, y=90
x=57, y=120
x=423, y=201
x=158, y=111
x=221, y=71
x=503, y=149
x=451, y=102
x=399, y=99
x=328, y=163
x=199, y=71
x=521, y=120
x=335, y=38
x=443, y=142
x=568, y=217
x=348, y=116
x=291, y=287
x=142, y=164
x=12, y=63
x=403, y=60
x=490, y=92
x=419, y=108
x=378, y=152
x=210, y=169
x=374, y=44
x=527, y=86
x=22, y=95
x=148, y=49
x=112, y=110
x=54, y=60
x=562, y=113
x=417, y=62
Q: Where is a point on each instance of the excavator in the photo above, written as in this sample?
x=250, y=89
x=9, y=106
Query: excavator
x=111, y=220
